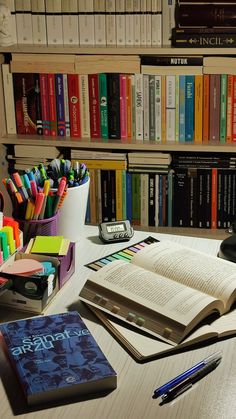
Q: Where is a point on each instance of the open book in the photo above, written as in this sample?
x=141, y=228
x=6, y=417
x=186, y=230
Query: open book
x=166, y=290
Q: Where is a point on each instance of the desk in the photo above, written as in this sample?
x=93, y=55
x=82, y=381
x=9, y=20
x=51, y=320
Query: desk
x=213, y=397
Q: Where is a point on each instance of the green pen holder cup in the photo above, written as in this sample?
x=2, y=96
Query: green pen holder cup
x=45, y=227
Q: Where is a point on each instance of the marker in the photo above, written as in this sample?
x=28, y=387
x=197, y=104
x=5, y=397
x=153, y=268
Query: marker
x=46, y=189
x=20, y=187
x=180, y=378
x=60, y=191
x=4, y=246
x=38, y=205
x=27, y=185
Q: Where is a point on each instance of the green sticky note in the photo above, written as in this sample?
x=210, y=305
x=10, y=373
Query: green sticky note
x=50, y=245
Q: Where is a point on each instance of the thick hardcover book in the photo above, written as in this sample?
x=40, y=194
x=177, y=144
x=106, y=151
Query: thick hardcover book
x=205, y=40
x=94, y=101
x=205, y=15
x=61, y=123
x=56, y=357
x=113, y=99
x=74, y=105
x=167, y=290
x=25, y=103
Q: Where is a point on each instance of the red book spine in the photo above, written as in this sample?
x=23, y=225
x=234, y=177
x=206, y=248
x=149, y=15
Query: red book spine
x=52, y=104
x=74, y=105
x=95, y=127
x=43, y=79
x=123, y=109
x=234, y=110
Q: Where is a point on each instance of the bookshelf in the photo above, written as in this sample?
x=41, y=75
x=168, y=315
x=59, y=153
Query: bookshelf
x=114, y=145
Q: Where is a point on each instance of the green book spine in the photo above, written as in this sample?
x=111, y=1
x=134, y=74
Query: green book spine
x=136, y=201
x=223, y=107
x=103, y=105
x=124, y=191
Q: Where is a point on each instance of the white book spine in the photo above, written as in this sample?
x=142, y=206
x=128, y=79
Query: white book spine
x=157, y=5
x=138, y=79
x=170, y=108
x=158, y=108
x=143, y=23
x=100, y=22
x=177, y=108
x=148, y=29
x=24, y=28
x=70, y=22
x=168, y=18
x=39, y=22
x=110, y=22
x=120, y=22
x=144, y=186
x=84, y=109
x=54, y=22
x=66, y=105
x=11, y=5
x=86, y=22
x=129, y=22
x=145, y=107
x=137, y=22
x=156, y=29
x=9, y=99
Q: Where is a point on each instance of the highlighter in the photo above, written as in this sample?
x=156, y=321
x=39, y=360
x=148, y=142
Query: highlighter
x=10, y=238
x=46, y=188
x=38, y=205
x=20, y=187
x=4, y=246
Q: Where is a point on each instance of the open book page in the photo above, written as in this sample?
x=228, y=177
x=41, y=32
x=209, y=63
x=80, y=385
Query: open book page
x=135, y=290
x=208, y=274
x=144, y=346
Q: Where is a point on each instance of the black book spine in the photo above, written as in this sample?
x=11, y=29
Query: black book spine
x=205, y=15
x=39, y=121
x=202, y=30
x=113, y=100
x=211, y=40
x=192, y=186
x=171, y=60
x=181, y=199
x=151, y=207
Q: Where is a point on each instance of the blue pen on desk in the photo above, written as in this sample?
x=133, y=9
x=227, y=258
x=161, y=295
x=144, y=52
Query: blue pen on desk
x=185, y=385
x=180, y=378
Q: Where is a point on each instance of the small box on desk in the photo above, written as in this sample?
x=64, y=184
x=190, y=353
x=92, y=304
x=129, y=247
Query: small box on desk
x=13, y=298
x=66, y=267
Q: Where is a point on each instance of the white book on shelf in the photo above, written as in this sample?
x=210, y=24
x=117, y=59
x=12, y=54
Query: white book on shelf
x=54, y=22
x=11, y=6
x=120, y=22
x=100, y=22
x=168, y=19
x=24, y=28
x=110, y=22
x=9, y=99
x=129, y=22
x=157, y=5
x=70, y=22
x=137, y=22
x=170, y=108
x=146, y=107
x=86, y=22
x=84, y=105
x=143, y=22
x=149, y=22
x=39, y=22
x=138, y=80
x=156, y=29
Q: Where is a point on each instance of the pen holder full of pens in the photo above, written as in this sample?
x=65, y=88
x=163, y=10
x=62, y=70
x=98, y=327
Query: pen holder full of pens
x=73, y=211
x=45, y=227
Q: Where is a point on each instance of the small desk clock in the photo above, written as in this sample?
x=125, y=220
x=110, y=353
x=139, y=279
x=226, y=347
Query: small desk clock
x=115, y=231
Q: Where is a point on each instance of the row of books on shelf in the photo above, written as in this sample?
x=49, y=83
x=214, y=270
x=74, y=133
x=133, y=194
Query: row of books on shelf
x=201, y=198
x=157, y=107
x=202, y=24
x=90, y=22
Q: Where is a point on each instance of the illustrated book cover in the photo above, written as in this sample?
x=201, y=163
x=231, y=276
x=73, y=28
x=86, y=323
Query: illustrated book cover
x=55, y=357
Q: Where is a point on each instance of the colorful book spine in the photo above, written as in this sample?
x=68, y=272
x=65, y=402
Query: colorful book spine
x=234, y=110
x=119, y=195
x=214, y=117
x=229, y=109
x=52, y=104
x=94, y=110
x=182, y=88
x=146, y=107
x=163, y=109
x=170, y=108
x=151, y=107
x=177, y=108
x=84, y=105
x=124, y=196
x=123, y=108
x=223, y=107
x=138, y=80
x=198, y=102
x=129, y=106
x=44, y=103
x=66, y=105
x=189, y=108
x=74, y=105
x=61, y=124
x=103, y=105
x=206, y=107
x=136, y=201
x=158, y=108
x=129, y=196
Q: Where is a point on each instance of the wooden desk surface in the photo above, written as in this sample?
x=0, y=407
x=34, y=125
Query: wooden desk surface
x=212, y=397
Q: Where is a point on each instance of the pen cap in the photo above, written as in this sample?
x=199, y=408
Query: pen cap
x=73, y=211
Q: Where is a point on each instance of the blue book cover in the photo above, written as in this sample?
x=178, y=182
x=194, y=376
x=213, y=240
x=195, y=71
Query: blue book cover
x=189, y=108
x=61, y=123
x=55, y=357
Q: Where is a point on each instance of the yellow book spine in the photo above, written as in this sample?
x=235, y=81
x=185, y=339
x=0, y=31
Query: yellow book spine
x=198, y=109
x=119, y=200
x=103, y=164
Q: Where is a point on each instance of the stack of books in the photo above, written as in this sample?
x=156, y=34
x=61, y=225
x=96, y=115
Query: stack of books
x=205, y=24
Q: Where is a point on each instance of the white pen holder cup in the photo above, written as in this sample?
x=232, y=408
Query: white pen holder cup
x=73, y=211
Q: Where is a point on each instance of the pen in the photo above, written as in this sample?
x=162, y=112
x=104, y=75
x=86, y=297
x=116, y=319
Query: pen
x=176, y=391
x=59, y=194
x=46, y=189
x=180, y=378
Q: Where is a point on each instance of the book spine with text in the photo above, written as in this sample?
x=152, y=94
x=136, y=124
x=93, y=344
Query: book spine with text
x=103, y=105
x=113, y=99
x=214, y=116
x=223, y=107
x=61, y=124
x=44, y=103
x=74, y=105
x=94, y=106
x=66, y=105
x=189, y=108
x=123, y=108
x=84, y=105
x=205, y=15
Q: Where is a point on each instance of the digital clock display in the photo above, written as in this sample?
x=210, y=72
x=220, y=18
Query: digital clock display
x=115, y=228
